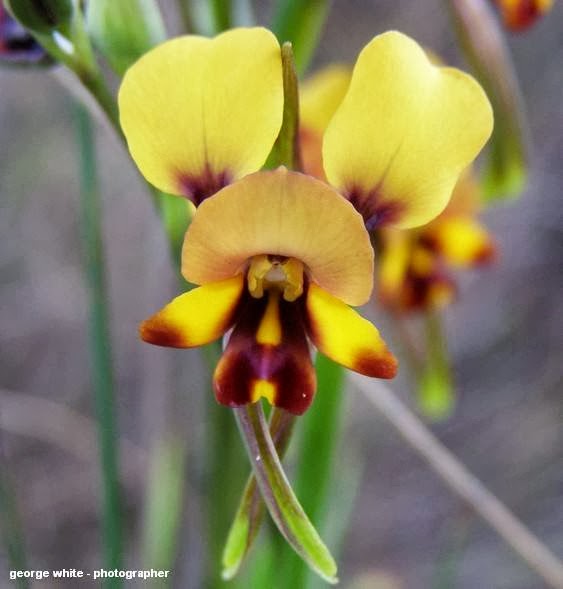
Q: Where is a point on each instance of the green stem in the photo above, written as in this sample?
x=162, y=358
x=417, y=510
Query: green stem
x=100, y=345
x=435, y=390
x=284, y=508
x=11, y=528
x=286, y=150
x=484, y=47
x=221, y=14
x=249, y=516
x=319, y=436
x=301, y=22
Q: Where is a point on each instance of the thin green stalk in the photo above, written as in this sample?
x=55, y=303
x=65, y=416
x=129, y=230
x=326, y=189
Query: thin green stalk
x=163, y=511
x=319, y=436
x=100, y=346
x=12, y=529
x=301, y=22
x=282, y=504
x=436, y=396
x=286, y=150
x=221, y=14
x=249, y=516
x=485, y=48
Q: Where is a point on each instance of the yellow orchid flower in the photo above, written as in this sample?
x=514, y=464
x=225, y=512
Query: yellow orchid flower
x=414, y=266
x=280, y=255
x=518, y=15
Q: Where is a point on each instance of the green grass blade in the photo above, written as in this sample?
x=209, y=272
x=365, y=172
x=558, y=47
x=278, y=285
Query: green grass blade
x=100, y=346
x=301, y=23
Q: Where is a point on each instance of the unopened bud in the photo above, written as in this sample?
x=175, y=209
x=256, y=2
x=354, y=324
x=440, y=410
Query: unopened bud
x=41, y=16
x=124, y=29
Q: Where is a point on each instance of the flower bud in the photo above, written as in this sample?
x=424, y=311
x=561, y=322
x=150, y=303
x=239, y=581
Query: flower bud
x=41, y=16
x=123, y=30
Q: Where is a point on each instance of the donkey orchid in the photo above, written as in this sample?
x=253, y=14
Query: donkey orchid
x=280, y=255
x=414, y=266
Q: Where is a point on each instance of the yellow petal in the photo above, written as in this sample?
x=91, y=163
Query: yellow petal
x=287, y=214
x=198, y=112
x=462, y=241
x=197, y=317
x=346, y=337
x=320, y=96
x=404, y=132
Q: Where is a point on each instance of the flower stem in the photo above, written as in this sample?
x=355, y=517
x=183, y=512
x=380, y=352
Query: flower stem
x=319, y=436
x=536, y=554
x=484, y=47
x=221, y=15
x=287, y=513
x=100, y=345
x=436, y=396
x=248, y=518
x=286, y=150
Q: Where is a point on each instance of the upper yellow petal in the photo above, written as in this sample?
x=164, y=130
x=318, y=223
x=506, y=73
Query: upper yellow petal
x=346, y=337
x=197, y=317
x=281, y=213
x=404, y=132
x=198, y=112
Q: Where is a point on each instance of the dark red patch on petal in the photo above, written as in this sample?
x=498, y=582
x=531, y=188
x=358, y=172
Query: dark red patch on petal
x=286, y=366
x=521, y=16
x=375, y=366
x=376, y=210
x=198, y=188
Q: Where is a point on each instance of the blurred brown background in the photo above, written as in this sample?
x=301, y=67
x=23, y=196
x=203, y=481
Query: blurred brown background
x=506, y=335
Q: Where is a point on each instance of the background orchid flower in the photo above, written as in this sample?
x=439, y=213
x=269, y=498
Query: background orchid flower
x=414, y=271
x=394, y=145
x=279, y=257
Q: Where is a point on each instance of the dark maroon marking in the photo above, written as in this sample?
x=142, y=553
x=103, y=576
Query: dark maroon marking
x=287, y=366
x=527, y=13
x=417, y=289
x=17, y=46
x=373, y=207
x=369, y=364
x=198, y=188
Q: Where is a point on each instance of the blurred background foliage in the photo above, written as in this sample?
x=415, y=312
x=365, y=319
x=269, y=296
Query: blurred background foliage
x=406, y=530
